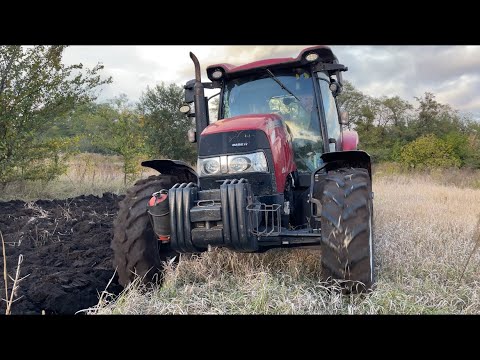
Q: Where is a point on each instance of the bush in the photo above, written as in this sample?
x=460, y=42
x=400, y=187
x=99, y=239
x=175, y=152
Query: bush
x=429, y=152
x=472, y=159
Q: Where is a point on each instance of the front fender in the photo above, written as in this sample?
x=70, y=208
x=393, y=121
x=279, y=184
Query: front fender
x=355, y=158
x=180, y=169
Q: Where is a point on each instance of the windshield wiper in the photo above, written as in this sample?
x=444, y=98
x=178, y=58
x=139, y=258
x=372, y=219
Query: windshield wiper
x=285, y=88
x=281, y=84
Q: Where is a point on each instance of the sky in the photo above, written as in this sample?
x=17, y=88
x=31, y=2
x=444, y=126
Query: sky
x=452, y=73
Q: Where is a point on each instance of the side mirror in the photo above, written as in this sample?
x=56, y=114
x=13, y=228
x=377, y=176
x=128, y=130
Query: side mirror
x=185, y=109
x=189, y=92
x=344, y=118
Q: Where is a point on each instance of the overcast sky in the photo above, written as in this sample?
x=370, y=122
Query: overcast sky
x=452, y=73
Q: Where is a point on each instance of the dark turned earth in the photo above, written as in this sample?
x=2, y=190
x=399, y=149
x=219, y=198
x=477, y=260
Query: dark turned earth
x=66, y=252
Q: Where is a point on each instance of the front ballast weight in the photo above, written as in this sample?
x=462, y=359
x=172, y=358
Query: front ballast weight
x=224, y=217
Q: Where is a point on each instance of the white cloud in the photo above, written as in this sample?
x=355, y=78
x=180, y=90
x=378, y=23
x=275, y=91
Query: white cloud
x=450, y=72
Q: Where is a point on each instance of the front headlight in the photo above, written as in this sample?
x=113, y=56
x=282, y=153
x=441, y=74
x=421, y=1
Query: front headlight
x=239, y=163
x=232, y=164
x=209, y=166
x=255, y=162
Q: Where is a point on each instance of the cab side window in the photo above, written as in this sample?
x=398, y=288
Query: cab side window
x=330, y=109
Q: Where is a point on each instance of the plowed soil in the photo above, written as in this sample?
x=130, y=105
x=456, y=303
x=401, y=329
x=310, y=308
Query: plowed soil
x=65, y=244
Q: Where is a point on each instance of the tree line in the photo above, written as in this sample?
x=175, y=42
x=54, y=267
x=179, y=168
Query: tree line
x=48, y=111
x=421, y=135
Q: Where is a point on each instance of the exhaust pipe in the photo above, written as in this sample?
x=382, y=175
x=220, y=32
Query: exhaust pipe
x=201, y=115
x=196, y=63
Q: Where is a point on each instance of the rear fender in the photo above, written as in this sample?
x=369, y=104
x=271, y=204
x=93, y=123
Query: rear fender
x=180, y=169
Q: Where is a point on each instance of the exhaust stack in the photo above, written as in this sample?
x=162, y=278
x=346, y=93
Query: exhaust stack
x=201, y=116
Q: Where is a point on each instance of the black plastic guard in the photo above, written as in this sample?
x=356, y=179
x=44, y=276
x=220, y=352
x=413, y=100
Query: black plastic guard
x=235, y=195
x=184, y=172
x=339, y=159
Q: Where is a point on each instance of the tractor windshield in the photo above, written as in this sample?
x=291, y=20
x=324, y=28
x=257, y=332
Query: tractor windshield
x=261, y=94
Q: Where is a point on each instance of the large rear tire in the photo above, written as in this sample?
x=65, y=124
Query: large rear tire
x=347, y=229
x=135, y=247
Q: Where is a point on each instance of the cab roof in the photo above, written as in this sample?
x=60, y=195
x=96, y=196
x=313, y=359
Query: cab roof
x=325, y=55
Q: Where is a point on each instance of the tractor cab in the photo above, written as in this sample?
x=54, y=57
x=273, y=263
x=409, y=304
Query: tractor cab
x=292, y=98
x=300, y=90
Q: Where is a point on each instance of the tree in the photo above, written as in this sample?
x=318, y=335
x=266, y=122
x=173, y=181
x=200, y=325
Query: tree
x=435, y=118
x=82, y=122
x=165, y=127
x=397, y=110
x=366, y=116
x=355, y=102
x=35, y=89
x=121, y=133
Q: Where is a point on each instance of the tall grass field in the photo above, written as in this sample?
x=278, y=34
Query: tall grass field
x=426, y=227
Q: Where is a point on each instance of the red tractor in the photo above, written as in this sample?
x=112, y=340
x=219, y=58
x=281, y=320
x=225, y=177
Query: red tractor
x=276, y=170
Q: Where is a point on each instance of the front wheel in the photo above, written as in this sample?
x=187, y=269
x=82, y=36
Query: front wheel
x=347, y=229
x=135, y=246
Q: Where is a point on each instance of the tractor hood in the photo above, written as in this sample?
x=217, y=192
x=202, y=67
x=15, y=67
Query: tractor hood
x=252, y=133
x=264, y=122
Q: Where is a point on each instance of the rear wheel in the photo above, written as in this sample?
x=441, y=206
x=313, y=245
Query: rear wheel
x=347, y=229
x=136, y=249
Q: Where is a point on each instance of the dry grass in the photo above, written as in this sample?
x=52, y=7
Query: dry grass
x=424, y=226
x=424, y=235
x=462, y=178
x=86, y=174
x=13, y=291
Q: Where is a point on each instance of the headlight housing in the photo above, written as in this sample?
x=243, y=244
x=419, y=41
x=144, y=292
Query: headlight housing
x=210, y=166
x=233, y=164
x=254, y=162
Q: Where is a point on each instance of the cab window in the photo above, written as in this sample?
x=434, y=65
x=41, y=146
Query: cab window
x=330, y=109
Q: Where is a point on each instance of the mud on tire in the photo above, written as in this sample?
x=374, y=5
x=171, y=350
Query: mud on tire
x=347, y=229
x=136, y=249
